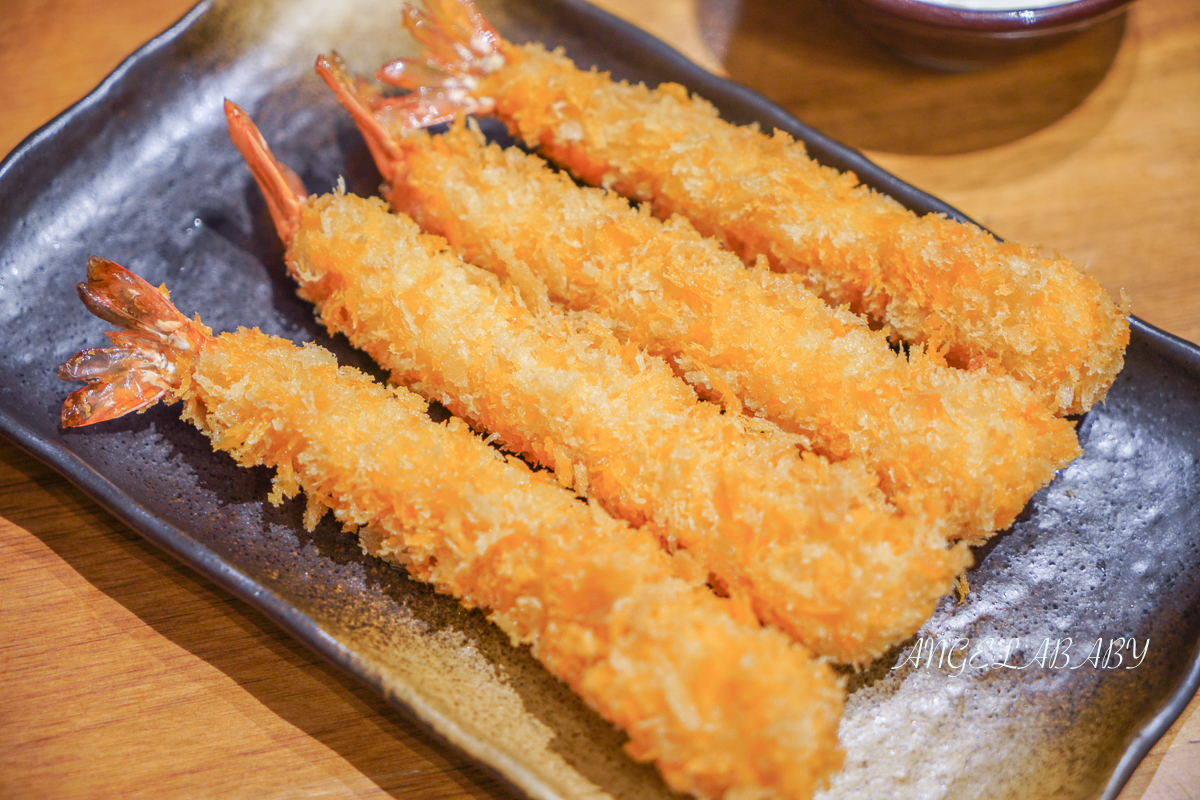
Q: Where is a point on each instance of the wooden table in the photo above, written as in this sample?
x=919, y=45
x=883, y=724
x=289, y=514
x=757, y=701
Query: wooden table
x=123, y=674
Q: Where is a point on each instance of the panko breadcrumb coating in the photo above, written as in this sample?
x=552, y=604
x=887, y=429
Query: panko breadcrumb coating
x=724, y=708
x=813, y=545
x=982, y=444
x=934, y=281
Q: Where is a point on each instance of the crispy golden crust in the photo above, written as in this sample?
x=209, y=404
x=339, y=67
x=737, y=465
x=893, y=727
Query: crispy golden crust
x=812, y=544
x=981, y=444
x=932, y=280
x=722, y=706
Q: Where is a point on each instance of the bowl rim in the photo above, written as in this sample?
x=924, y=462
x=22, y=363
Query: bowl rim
x=1067, y=14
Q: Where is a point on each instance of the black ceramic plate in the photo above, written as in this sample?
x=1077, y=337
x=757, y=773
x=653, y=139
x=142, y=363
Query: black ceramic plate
x=141, y=172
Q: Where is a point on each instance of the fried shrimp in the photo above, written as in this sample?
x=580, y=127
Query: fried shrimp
x=982, y=444
x=812, y=545
x=934, y=281
x=724, y=707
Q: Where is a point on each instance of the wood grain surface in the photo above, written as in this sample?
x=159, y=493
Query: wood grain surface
x=123, y=674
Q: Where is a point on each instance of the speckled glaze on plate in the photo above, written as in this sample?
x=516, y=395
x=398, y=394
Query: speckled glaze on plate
x=141, y=172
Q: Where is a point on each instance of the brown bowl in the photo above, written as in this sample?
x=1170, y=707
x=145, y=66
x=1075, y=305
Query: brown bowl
x=958, y=39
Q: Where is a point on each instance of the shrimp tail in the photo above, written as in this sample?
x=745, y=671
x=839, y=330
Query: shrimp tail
x=148, y=358
x=458, y=47
x=364, y=103
x=377, y=116
x=387, y=124
x=280, y=186
x=456, y=41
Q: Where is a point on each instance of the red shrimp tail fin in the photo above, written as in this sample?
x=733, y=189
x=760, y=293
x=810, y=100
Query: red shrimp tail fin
x=280, y=186
x=455, y=38
x=385, y=122
x=363, y=101
x=116, y=295
x=122, y=391
x=437, y=95
x=458, y=47
x=144, y=365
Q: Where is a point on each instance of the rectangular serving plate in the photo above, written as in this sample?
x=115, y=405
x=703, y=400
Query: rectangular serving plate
x=141, y=172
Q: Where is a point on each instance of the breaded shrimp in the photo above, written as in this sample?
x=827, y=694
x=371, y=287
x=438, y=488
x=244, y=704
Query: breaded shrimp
x=982, y=444
x=724, y=707
x=932, y=280
x=812, y=545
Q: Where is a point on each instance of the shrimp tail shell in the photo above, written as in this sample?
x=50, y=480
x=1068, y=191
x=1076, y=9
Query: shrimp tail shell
x=458, y=47
x=455, y=39
x=147, y=360
x=280, y=186
x=363, y=101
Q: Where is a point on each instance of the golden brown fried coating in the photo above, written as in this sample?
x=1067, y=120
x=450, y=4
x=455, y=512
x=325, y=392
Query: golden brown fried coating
x=721, y=705
x=933, y=280
x=981, y=444
x=813, y=545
